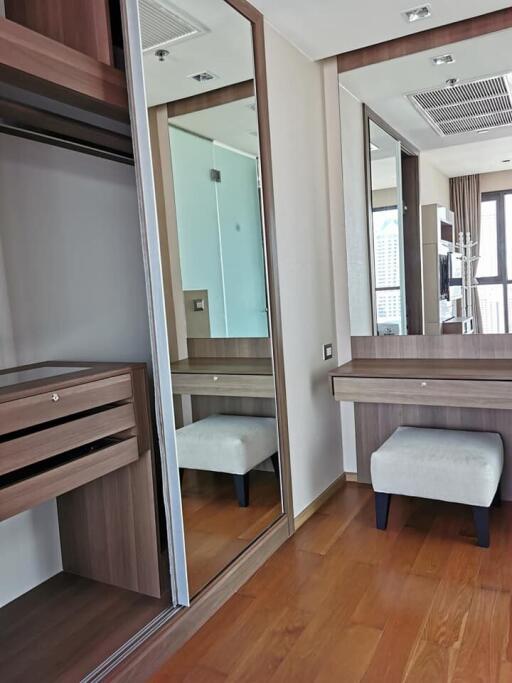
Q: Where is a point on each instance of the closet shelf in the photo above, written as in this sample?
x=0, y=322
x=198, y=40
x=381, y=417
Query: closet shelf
x=33, y=61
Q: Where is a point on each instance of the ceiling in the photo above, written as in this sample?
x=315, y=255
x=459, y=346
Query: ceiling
x=234, y=124
x=224, y=50
x=483, y=156
x=321, y=28
x=384, y=86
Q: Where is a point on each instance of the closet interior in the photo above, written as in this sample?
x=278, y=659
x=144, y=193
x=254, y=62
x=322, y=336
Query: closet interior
x=83, y=539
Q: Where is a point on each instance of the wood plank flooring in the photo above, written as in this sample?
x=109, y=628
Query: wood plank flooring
x=342, y=601
x=217, y=530
x=61, y=630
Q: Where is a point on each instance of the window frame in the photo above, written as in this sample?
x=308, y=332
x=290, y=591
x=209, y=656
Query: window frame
x=502, y=278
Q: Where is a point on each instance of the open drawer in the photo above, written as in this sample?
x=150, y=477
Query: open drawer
x=30, y=486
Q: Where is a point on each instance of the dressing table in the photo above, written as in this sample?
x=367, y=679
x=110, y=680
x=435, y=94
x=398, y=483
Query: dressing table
x=428, y=392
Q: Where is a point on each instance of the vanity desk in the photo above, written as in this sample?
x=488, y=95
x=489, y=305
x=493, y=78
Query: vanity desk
x=247, y=377
x=423, y=392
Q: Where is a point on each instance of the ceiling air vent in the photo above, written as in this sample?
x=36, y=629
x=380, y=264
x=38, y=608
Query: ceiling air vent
x=162, y=23
x=466, y=106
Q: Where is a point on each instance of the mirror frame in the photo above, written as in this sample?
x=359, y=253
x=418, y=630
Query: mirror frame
x=415, y=313
x=154, y=644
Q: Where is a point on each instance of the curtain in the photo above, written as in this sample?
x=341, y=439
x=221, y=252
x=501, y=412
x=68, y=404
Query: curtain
x=465, y=200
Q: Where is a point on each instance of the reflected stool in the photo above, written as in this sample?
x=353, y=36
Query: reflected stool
x=233, y=444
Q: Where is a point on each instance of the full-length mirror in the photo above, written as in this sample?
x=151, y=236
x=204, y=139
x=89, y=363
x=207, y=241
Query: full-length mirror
x=428, y=190
x=203, y=114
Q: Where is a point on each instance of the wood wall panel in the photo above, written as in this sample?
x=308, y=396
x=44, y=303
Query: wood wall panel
x=230, y=347
x=430, y=346
x=83, y=25
x=426, y=40
x=375, y=422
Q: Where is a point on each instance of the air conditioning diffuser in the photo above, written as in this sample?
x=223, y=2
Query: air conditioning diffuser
x=467, y=106
x=162, y=23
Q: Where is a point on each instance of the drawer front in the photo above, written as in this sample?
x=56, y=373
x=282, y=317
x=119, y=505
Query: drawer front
x=35, y=410
x=28, y=493
x=430, y=392
x=198, y=384
x=45, y=443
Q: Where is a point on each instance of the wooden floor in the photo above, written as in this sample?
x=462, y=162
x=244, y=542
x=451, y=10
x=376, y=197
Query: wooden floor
x=63, y=629
x=343, y=602
x=217, y=530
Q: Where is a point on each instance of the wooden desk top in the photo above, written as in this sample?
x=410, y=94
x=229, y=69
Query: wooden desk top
x=427, y=368
x=223, y=366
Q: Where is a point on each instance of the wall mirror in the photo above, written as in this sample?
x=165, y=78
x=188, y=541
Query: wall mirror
x=427, y=141
x=205, y=118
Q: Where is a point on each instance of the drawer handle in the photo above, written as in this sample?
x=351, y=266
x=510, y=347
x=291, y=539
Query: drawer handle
x=215, y=378
x=423, y=384
x=55, y=397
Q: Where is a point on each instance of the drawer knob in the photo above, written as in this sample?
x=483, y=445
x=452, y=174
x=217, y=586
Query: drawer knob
x=215, y=378
x=423, y=384
x=55, y=397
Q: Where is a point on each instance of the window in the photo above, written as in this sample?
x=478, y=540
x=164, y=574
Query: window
x=494, y=269
x=388, y=289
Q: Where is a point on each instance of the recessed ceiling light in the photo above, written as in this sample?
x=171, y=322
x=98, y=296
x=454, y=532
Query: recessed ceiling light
x=161, y=54
x=203, y=76
x=506, y=161
x=417, y=13
x=439, y=60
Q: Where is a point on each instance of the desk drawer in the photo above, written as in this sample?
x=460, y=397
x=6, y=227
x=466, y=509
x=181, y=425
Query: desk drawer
x=18, y=496
x=428, y=392
x=34, y=410
x=50, y=441
x=199, y=384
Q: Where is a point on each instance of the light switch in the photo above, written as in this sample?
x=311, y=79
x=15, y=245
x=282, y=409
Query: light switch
x=198, y=304
x=327, y=351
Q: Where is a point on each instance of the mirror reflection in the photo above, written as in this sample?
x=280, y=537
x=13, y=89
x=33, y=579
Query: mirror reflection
x=204, y=129
x=430, y=254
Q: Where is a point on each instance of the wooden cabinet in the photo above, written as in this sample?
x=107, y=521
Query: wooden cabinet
x=83, y=436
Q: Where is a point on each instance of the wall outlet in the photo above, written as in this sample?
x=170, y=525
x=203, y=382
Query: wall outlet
x=327, y=351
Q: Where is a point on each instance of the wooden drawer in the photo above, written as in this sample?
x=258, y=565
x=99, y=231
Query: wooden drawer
x=27, y=493
x=202, y=384
x=33, y=410
x=429, y=392
x=45, y=443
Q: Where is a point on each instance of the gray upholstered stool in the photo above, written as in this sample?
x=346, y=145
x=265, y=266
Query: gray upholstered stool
x=234, y=444
x=442, y=464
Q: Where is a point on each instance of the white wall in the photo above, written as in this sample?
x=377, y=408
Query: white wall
x=356, y=220
x=74, y=275
x=297, y=127
x=434, y=185
x=496, y=182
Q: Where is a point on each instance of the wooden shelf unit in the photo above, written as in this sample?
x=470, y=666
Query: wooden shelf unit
x=35, y=62
x=84, y=437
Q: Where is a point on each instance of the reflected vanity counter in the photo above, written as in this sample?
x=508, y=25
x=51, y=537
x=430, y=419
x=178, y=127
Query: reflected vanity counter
x=444, y=393
x=250, y=377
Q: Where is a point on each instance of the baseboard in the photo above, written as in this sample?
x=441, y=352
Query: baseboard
x=351, y=476
x=315, y=505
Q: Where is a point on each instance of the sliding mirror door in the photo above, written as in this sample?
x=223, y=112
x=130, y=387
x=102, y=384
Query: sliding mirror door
x=218, y=277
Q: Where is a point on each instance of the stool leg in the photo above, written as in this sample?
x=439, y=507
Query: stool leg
x=481, y=517
x=496, y=503
x=382, y=501
x=275, y=464
x=242, y=489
